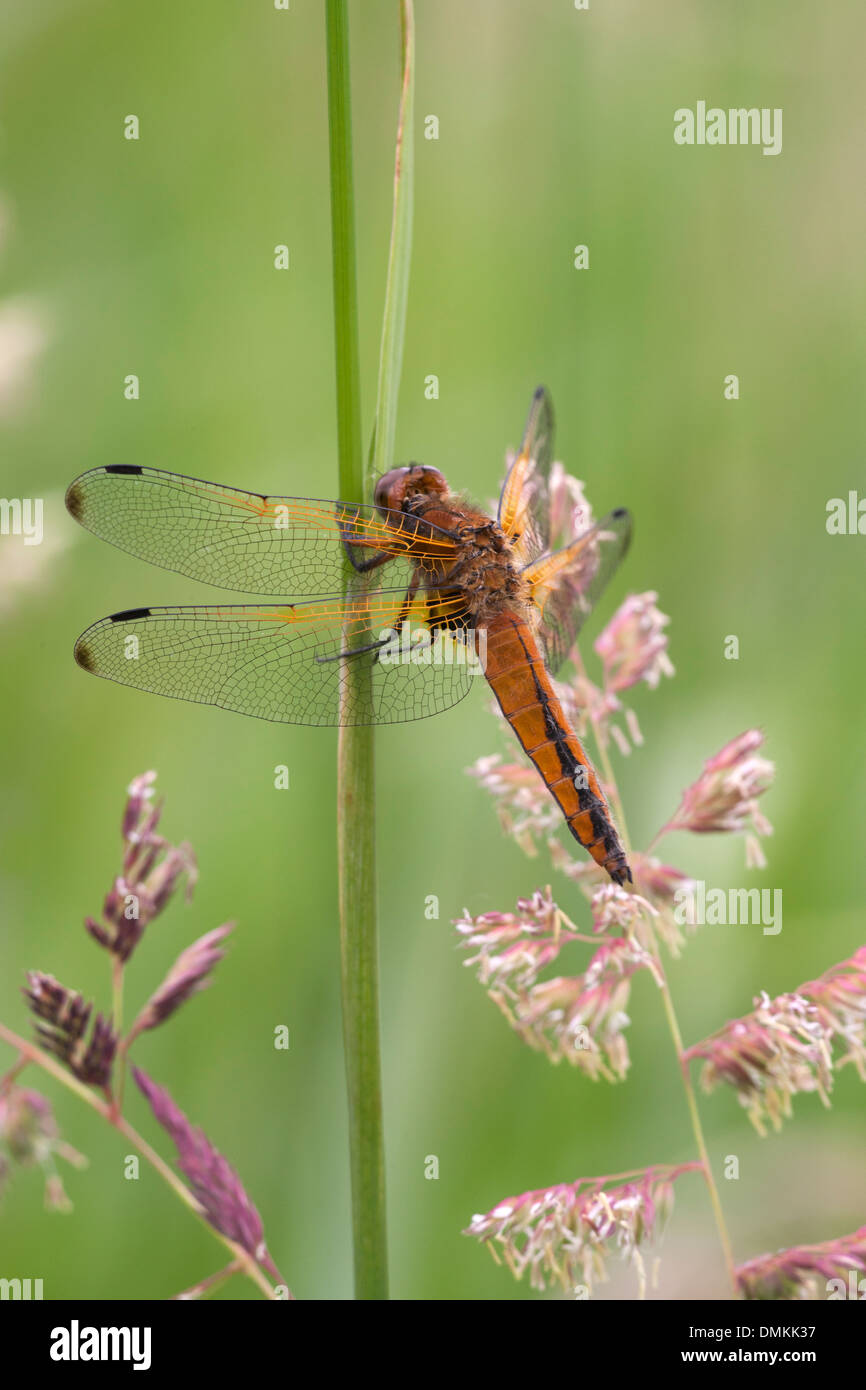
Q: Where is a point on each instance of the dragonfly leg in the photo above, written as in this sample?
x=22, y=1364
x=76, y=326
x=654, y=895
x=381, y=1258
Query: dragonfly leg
x=407, y=601
x=362, y=566
x=401, y=617
x=353, y=651
x=406, y=605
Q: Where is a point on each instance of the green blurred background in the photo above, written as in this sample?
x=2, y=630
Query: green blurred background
x=155, y=258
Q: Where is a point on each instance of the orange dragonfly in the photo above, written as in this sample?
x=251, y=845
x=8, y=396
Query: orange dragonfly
x=422, y=588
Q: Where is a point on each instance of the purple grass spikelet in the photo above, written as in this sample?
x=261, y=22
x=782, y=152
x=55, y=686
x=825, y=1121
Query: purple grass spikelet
x=63, y=1029
x=215, y=1184
x=189, y=974
x=151, y=873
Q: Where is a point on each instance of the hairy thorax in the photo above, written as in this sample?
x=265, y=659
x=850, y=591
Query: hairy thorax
x=486, y=573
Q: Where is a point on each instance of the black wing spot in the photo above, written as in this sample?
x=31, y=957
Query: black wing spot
x=74, y=501
x=619, y=513
x=129, y=614
x=83, y=656
x=132, y=469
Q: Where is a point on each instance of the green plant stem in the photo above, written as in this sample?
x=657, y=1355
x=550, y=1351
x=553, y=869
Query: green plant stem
x=672, y=1021
x=698, y=1131
x=355, y=765
x=209, y=1284
x=117, y=994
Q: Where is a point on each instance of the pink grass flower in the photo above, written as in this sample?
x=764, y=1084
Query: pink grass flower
x=830, y=1270
x=785, y=1046
x=582, y=1019
x=29, y=1136
x=27, y=1125
x=511, y=948
x=725, y=796
x=524, y=806
x=589, y=707
x=634, y=647
x=565, y=1234
x=615, y=910
x=659, y=883
x=579, y=1018
x=840, y=997
x=570, y=512
x=646, y=920
x=656, y=884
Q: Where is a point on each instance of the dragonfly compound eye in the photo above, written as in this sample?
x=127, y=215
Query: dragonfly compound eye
x=398, y=485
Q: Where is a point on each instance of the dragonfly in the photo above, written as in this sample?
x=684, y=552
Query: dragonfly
x=386, y=612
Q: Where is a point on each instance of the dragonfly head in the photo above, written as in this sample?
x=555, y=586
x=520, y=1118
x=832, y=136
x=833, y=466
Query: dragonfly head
x=396, y=488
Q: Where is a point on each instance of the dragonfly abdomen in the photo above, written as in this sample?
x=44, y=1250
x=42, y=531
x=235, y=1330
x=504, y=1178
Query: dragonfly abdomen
x=517, y=675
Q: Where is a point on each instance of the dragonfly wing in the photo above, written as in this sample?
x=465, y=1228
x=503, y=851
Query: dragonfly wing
x=524, y=503
x=246, y=541
x=282, y=662
x=568, y=583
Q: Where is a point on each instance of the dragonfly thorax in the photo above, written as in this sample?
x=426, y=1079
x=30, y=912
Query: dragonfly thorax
x=485, y=571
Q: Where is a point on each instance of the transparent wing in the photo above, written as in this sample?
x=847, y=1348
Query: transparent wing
x=243, y=540
x=568, y=584
x=524, y=503
x=284, y=662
